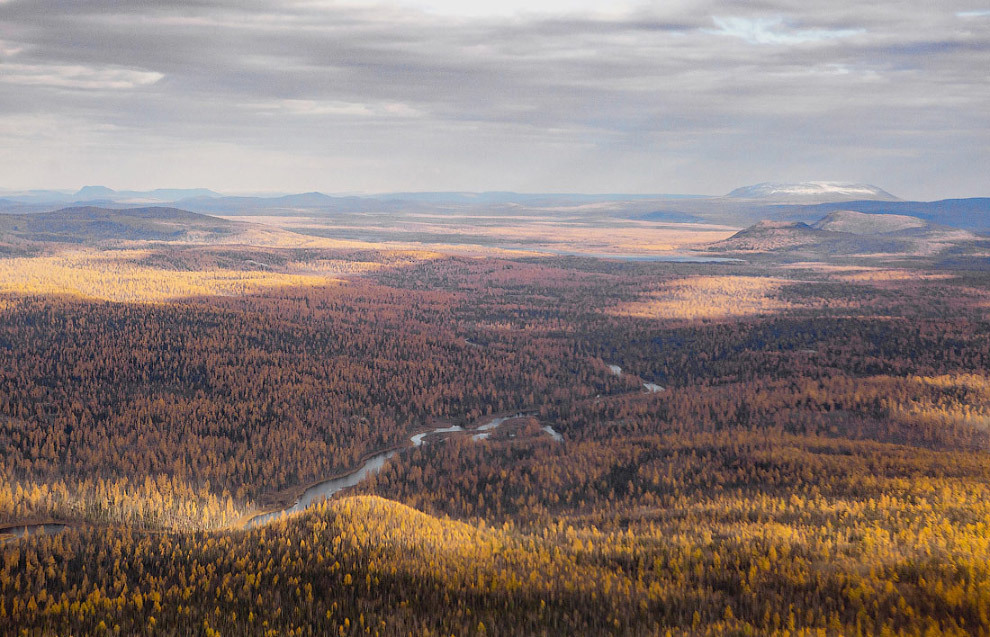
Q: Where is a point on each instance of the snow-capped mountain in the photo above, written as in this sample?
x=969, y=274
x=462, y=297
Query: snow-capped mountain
x=811, y=192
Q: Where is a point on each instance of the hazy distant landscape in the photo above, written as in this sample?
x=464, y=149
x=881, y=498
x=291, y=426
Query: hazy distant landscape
x=632, y=225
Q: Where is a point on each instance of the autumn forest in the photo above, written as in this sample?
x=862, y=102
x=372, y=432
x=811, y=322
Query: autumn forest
x=565, y=444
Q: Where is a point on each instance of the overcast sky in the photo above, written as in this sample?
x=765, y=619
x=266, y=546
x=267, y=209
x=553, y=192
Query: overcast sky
x=532, y=96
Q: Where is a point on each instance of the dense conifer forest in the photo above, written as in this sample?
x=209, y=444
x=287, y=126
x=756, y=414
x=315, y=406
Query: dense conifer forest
x=689, y=449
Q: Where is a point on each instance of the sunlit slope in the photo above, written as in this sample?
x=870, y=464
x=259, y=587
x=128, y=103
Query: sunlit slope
x=366, y=565
x=708, y=297
x=360, y=565
x=151, y=275
x=120, y=276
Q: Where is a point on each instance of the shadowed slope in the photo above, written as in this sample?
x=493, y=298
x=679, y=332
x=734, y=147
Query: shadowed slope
x=91, y=224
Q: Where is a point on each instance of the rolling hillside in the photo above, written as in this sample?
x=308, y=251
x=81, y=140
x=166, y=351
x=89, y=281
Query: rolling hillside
x=92, y=225
x=848, y=233
x=967, y=214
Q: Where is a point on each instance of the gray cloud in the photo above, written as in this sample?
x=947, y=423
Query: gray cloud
x=301, y=95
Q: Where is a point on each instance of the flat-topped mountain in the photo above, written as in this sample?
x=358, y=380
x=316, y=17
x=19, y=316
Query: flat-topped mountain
x=811, y=192
x=95, y=192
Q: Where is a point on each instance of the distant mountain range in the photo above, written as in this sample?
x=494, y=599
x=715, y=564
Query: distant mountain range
x=101, y=195
x=806, y=192
x=838, y=233
x=208, y=201
x=806, y=202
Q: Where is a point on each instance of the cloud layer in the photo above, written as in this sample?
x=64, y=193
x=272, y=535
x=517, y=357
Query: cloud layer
x=360, y=96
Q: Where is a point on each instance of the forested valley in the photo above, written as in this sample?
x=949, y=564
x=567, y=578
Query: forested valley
x=738, y=449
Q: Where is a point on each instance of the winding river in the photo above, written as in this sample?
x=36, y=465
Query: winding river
x=329, y=488
x=373, y=465
x=650, y=387
x=321, y=490
x=17, y=532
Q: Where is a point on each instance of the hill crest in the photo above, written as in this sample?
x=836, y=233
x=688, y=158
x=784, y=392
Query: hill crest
x=88, y=224
x=864, y=223
x=847, y=232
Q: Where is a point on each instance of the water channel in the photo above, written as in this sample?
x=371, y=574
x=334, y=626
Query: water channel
x=373, y=465
x=319, y=491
